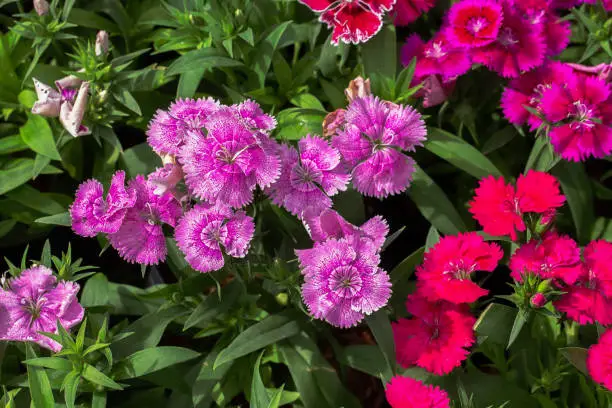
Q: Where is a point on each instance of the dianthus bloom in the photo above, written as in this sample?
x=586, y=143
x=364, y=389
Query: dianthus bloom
x=590, y=298
x=499, y=207
x=527, y=89
x=408, y=11
x=436, y=338
x=405, y=392
x=141, y=238
x=91, y=213
x=308, y=176
x=474, y=23
x=371, y=143
x=519, y=46
x=35, y=302
x=541, y=15
x=230, y=162
x=342, y=279
x=352, y=21
x=599, y=360
x=555, y=257
x=581, y=112
x=330, y=224
x=168, y=129
x=447, y=268
x=205, y=229
x=440, y=56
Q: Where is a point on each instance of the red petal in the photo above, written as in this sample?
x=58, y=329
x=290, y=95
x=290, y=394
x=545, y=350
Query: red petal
x=352, y=23
x=380, y=6
x=317, y=5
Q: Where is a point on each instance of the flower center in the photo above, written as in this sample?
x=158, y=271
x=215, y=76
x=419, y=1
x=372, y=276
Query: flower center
x=213, y=234
x=99, y=207
x=583, y=116
x=68, y=94
x=458, y=270
x=305, y=176
x=33, y=307
x=345, y=281
x=435, y=51
x=476, y=24
x=507, y=37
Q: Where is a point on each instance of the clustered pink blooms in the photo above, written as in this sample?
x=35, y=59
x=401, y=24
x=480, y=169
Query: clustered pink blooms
x=35, y=302
x=501, y=208
x=405, y=392
x=408, y=11
x=342, y=278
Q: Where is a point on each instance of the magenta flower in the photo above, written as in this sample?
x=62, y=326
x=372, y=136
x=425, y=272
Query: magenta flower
x=474, y=23
x=141, y=238
x=375, y=134
x=541, y=13
x=91, y=213
x=342, y=280
x=408, y=11
x=440, y=56
x=581, y=113
x=250, y=114
x=308, y=177
x=204, y=229
x=34, y=302
x=71, y=115
x=230, y=162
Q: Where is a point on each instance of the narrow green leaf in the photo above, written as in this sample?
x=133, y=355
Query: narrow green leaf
x=98, y=399
x=368, y=359
x=404, y=270
x=433, y=236
x=80, y=338
x=379, y=324
x=270, y=330
x=12, y=144
x=259, y=396
x=496, y=322
x=459, y=153
x=307, y=101
x=379, y=54
x=265, y=50
x=71, y=386
x=577, y=356
x=276, y=398
x=92, y=374
x=434, y=204
x=40, y=387
x=125, y=98
x=189, y=82
x=205, y=58
x=18, y=172
x=30, y=197
x=37, y=134
x=150, y=360
x=519, y=322
x=213, y=307
x=62, y=219
x=54, y=363
x=45, y=256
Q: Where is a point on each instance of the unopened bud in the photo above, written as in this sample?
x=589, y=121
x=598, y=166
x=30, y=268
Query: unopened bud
x=333, y=122
x=358, y=88
x=41, y=7
x=101, y=43
x=538, y=300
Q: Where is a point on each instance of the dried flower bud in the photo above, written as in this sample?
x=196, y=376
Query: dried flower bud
x=101, y=43
x=332, y=122
x=358, y=88
x=41, y=7
x=538, y=300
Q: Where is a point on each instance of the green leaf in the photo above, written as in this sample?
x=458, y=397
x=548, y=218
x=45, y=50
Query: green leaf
x=368, y=359
x=31, y=198
x=576, y=186
x=270, y=330
x=140, y=159
x=150, y=360
x=307, y=101
x=98, y=399
x=71, y=386
x=89, y=19
x=212, y=307
x=276, y=398
x=499, y=139
x=542, y=156
x=379, y=54
x=265, y=49
x=205, y=58
x=40, y=387
x=380, y=326
x=496, y=323
x=62, y=219
x=433, y=236
x=434, y=204
x=37, y=134
x=577, y=356
x=125, y=98
x=459, y=153
x=295, y=123
x=519, y=322
x=12, y=144
x=404, y=270
x=259, y=396
x=189, y=82
x=54, y=363
x=92, y=374
x=18, y=172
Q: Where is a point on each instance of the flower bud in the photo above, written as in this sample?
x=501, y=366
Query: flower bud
x=358, y=88
x=538, y=300
x=332, y=122
x=41, y=7
x=101, y=43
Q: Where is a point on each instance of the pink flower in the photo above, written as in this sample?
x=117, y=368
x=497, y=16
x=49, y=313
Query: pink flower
x=590, y=299
x=555, y=257
x=527, y=89
x=499, y=207
x=474, y=23
x=540, y=13
x=405, y=392
x=34, y=302
x=436, y=338
x=41, y=7
x=581, y=111
x=250, y=114
x=71, y=116
x=204, y=229
x=342, y=280
x=371, y=143
x=519, y=46
x=439, y=56
x=91, y=213
x=141, y=238
x=230, y=162
x=166, y=178
x=599, y=360
x=408, y=11
x=447, y=268
x=101, y=46
x=308, y=177
x=352, y=21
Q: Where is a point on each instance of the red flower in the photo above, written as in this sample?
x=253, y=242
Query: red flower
x=447, y=267
x=499, y=207
x=407, y=11
x=590, y=299
x=436, y=338
x=555, y=257
x=404, y=392
x=353, y=21
x=474, y=23
x=599, y=360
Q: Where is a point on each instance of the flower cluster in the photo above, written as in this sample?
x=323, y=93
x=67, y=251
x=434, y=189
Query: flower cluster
x=35, y=302
x=342, y=279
